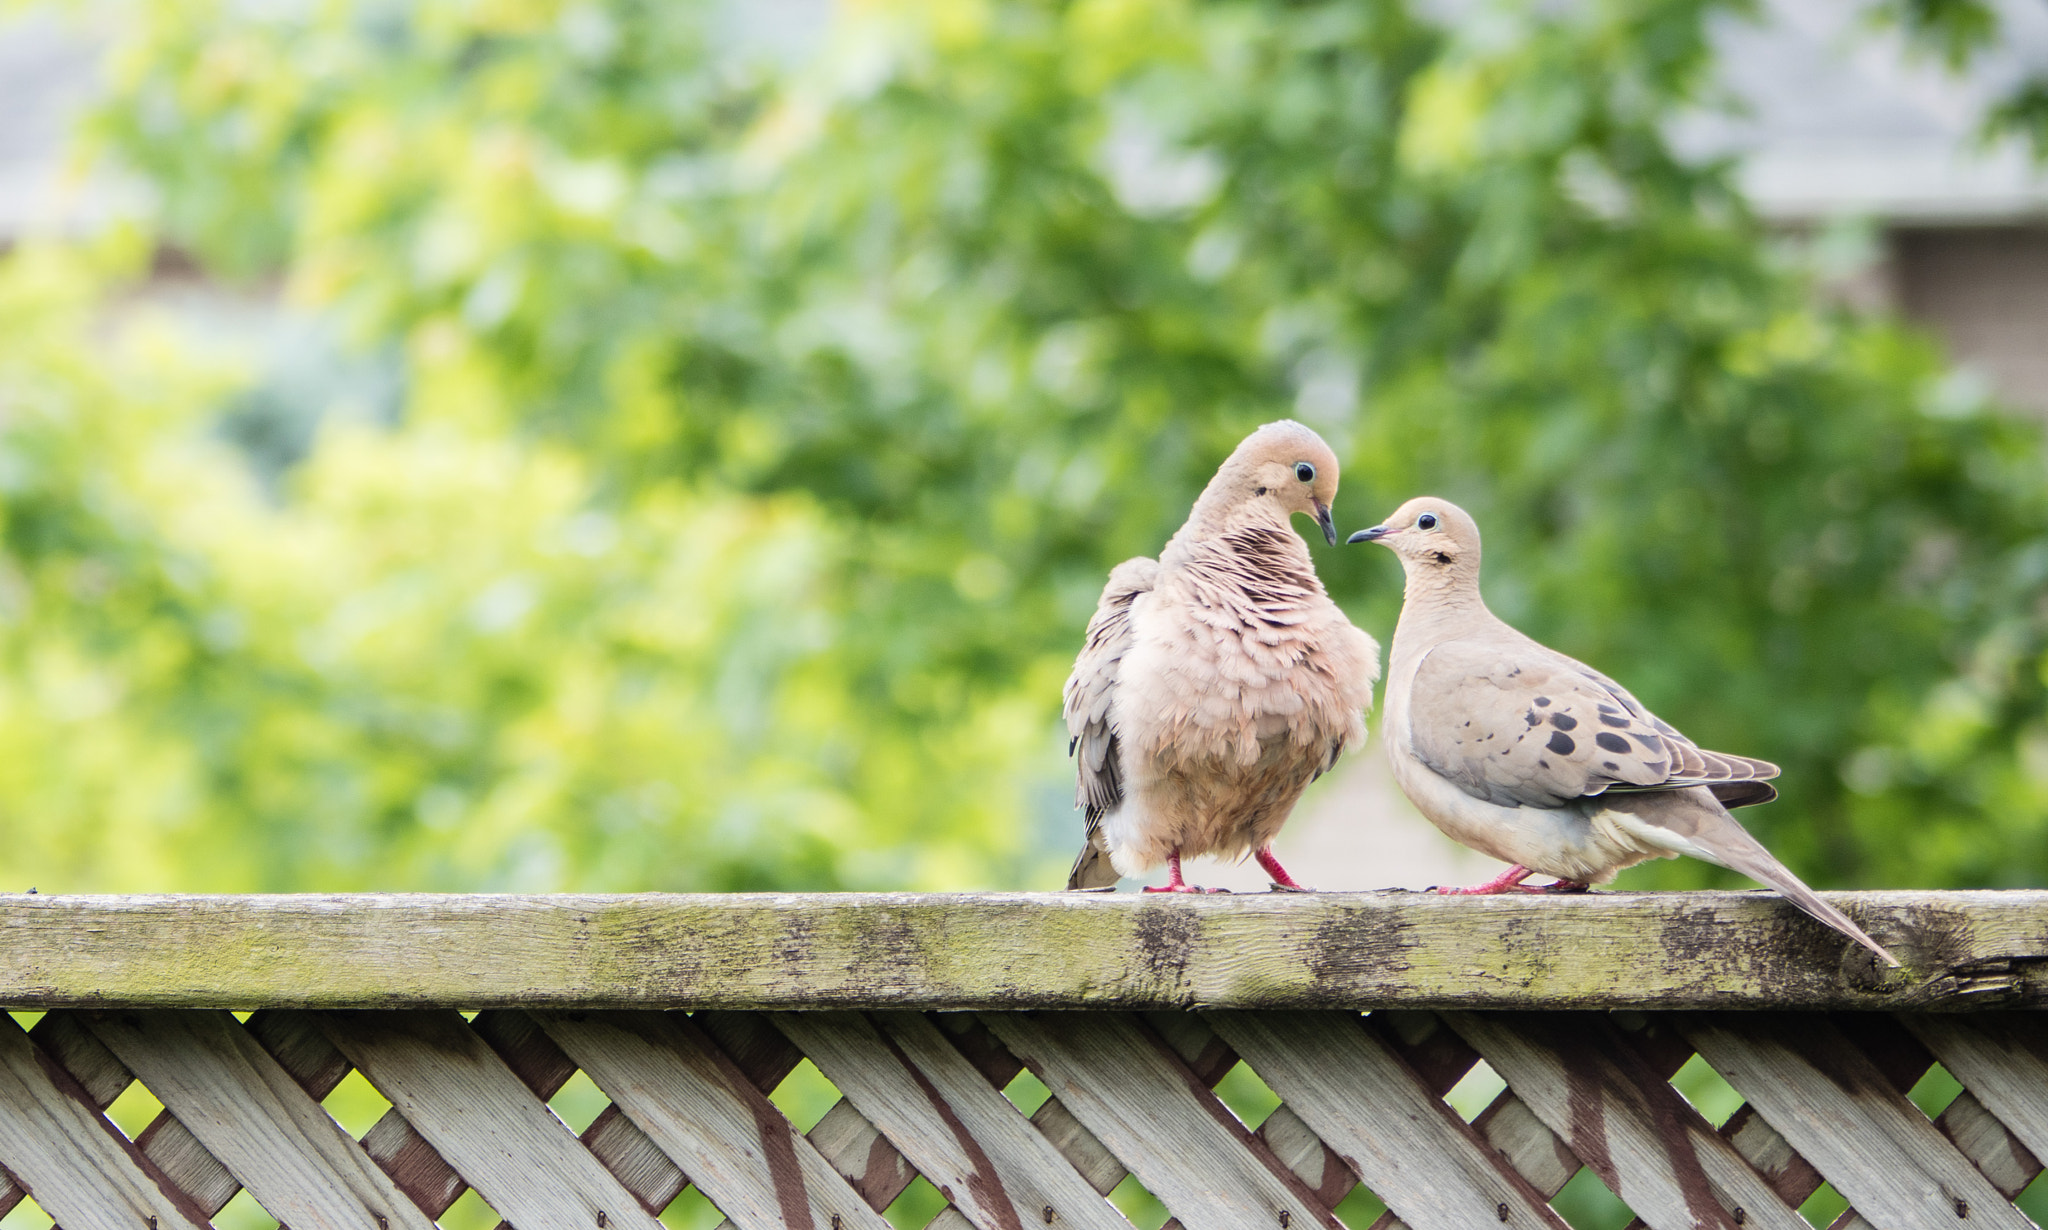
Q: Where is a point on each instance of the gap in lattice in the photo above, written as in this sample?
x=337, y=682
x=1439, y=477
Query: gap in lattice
x=915, y=1206
x=1476, y=1091
x=1934, y=1091
x=1027, y=1093
x=1824, y=1206
x=27, y=1021
x=1246, y=1095
x=469, y=1212
x=28, y=1215
x=578, y=1102
x=2033, y=1200
x=804, y=1096
x=1707, y=1090
x=1140, y=1207
x=242, y=1017
x=355, y=1104
x=691, y=1210
x=1586, y=1204
x=243, y=1213
x=134, y=1110
x=1360, y=1209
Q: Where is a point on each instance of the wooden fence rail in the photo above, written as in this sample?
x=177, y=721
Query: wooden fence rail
x=1359, y=1012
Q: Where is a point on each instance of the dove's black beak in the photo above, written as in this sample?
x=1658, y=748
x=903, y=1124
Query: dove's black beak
x=1324, y=519
x=1374, y=534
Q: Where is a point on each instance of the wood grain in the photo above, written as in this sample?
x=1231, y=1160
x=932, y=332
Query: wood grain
x=699, y=1107
x=248, y=1112
x=2002, y=1058
x=1643, y=1140
x=1834, y=1104
x=1429, y=1166
x=478, y=1115
x=1141, y=1100
x=962, y=1134
x=78, y=1167
x=1017, y=951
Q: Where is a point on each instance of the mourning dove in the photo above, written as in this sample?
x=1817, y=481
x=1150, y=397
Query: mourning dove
x=1539, y=760
x=1219, y=680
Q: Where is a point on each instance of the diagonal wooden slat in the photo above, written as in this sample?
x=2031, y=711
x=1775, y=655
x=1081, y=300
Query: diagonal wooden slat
x=478, y=1115
x=299, y=1043
x=2001, y=1058
x=1996, y=1153
x=1615, y=1112
x=765, y=1057
x=693, y=1101
x=187, y=1164
x=634, y=1160
x=542, y=1067
x=1142, y=1100
x=1207, y=1056
x=962, y=1135
x=1989, y=1144
x=1442, y=1059
x=1211, y=1059
x=64, y=1152
x=842, y=1137
x=1429, y=1166
x=256, y=1121
x=92, y=1065
x=1835, y=1105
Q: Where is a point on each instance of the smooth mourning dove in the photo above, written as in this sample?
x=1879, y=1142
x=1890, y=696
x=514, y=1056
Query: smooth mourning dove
x=1219, y=680
x=1539, y=760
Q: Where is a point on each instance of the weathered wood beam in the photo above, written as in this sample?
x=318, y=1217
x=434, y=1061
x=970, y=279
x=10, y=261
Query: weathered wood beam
x=1020, y=950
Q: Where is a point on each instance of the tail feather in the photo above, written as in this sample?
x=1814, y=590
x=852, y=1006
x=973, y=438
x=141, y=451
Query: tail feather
x=1092, y=868
x=1693, y=821
x=1730, y=845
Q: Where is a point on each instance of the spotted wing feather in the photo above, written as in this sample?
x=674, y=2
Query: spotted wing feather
x=1520, y=725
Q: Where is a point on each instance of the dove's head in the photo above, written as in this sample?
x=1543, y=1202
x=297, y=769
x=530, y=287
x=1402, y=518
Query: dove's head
x=1433, y=537
x=1285, y=465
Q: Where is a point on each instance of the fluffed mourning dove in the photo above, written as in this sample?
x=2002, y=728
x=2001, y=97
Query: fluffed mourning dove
x=1539, y=760
x=1219, y=680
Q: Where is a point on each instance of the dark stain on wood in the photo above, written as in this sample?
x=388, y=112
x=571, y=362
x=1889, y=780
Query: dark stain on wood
x=1165, y=934
x=982, y=1178
x=1206, y=1098
x=533, y=1056
x=413, y=1165
x=778, y=1148
x=884, y=1175
x=1355, y=950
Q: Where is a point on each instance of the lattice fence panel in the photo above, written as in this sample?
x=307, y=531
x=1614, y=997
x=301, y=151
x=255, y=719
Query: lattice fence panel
x=1362, y=1099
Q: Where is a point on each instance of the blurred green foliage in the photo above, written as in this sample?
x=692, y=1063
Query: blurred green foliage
x=767, y=427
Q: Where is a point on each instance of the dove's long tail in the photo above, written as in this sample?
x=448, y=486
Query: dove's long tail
x=1092, y=869
x=1691, y=821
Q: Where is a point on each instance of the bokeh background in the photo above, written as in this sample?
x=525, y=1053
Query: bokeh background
x=603, y=445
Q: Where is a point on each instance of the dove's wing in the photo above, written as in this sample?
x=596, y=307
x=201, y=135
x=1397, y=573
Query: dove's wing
x=1516, y=724
x=1089, y=690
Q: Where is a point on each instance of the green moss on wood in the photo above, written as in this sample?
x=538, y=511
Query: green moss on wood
x=1362, y=950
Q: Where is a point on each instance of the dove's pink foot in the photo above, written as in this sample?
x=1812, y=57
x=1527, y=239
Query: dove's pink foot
x=1174, y=884
x=1282, y=882
x=1510, y=881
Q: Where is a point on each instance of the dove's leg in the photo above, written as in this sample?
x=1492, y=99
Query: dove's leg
x=1174, y=883
x=1282, y=882
x=1510, y=881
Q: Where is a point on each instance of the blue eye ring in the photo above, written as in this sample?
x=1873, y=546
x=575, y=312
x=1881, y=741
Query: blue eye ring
x=1426, y=521
x=1304, y=471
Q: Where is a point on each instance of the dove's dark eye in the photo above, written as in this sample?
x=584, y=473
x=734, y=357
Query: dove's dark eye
x=1304, y=471
x=1426, y=521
